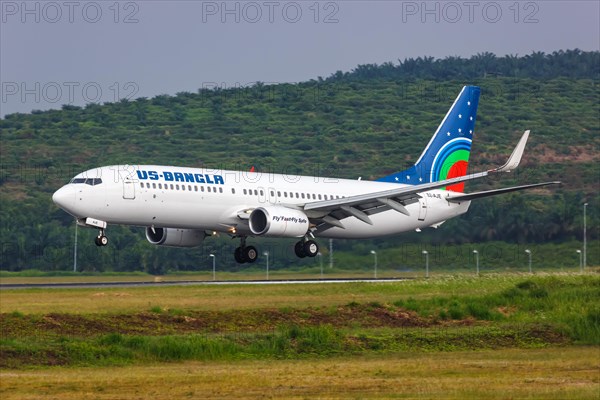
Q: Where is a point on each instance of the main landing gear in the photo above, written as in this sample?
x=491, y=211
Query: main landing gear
x=249, y=254
x=306, y=248
x=245, y=254
x=101, y=240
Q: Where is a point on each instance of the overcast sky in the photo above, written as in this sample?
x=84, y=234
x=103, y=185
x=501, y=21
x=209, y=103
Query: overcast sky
x=52, y=53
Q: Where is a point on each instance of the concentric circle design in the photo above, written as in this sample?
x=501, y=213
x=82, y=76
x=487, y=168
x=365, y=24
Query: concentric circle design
x=451, y=161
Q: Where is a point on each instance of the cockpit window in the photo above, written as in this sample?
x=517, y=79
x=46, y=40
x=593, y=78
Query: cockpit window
x=87, y=181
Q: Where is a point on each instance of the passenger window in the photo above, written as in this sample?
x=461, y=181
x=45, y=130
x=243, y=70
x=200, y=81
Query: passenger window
x=171, y=186
x=232, y=190
x=319, y=197
x=154, y=186
x=160, y=185
x=255, y=192
x=220, y=190
x=302, y=195
x=278, y=193
x=202, y=188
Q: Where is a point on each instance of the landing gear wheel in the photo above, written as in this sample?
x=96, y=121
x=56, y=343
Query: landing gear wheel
x=245, y=254
x=101, y=241
x=311, y=248
x=239, y=255
x=299, y=249
x=250, y=254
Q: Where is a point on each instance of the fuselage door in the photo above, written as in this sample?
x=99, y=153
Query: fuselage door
x=128, y=189
x=422, y=208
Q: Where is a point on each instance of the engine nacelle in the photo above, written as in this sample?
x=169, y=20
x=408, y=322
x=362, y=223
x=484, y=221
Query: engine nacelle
x=175, y=237
x=278, y=221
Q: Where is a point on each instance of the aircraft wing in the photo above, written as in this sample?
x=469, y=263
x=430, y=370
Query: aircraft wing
x=487, y=193
x=361, y=206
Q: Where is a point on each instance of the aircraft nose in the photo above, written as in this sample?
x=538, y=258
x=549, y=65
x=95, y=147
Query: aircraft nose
x=64, y=198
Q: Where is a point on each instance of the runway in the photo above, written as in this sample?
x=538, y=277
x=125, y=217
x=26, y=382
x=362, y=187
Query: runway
x=83, y=285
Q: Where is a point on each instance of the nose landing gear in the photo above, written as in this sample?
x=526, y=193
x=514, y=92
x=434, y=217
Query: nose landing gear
x=101, y=240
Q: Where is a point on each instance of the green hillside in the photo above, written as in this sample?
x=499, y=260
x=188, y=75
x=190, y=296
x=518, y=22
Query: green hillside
x=367, y=122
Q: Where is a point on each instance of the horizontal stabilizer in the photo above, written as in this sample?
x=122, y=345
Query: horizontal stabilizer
x=487, y=193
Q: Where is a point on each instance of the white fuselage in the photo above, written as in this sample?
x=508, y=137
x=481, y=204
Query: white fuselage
x=214, y=200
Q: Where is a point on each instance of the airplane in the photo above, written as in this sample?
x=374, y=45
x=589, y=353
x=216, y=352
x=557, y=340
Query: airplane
x=181, y=206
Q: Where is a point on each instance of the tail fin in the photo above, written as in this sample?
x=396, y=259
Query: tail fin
x=447, y=154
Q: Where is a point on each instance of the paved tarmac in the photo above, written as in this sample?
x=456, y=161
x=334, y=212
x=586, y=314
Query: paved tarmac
x=82, y=285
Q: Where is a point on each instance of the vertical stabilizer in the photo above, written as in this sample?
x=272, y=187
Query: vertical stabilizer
x=447, y=154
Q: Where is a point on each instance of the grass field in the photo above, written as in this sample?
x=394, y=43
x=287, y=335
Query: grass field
x=496, y=336
x=101, y=300
x=557, y=373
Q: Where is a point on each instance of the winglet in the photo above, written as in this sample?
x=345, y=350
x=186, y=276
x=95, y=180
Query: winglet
x=515, y=157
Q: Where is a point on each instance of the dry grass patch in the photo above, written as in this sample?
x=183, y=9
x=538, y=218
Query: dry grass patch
x=558, y=373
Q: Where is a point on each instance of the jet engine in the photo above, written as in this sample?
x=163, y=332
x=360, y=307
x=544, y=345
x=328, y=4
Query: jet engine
x=278, y=221
x=175, y=237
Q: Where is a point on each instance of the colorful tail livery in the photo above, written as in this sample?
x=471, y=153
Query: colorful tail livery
x=447, y=154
